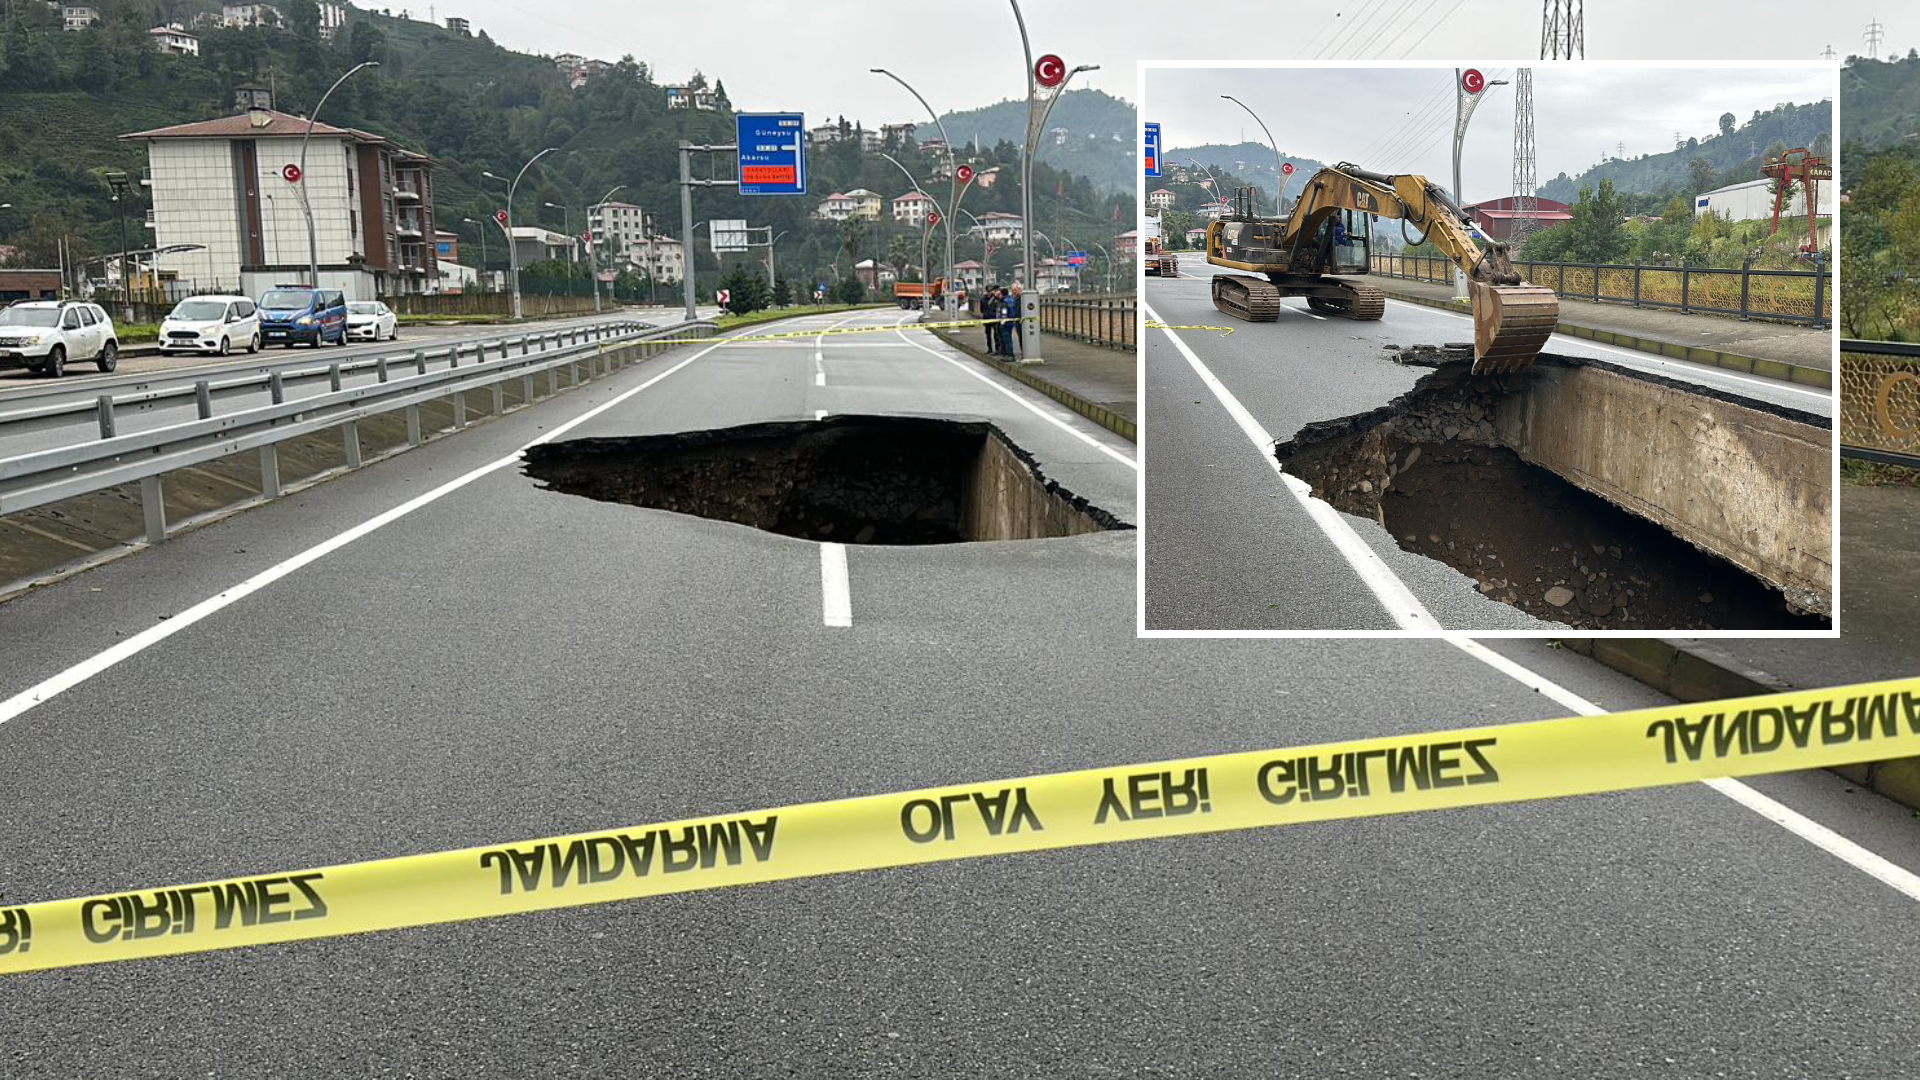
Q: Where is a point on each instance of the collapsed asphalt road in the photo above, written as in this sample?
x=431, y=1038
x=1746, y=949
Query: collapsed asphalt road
x=502, y=661
x=1235, y=546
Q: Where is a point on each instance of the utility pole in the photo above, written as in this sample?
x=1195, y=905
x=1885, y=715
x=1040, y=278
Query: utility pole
x=1563, y=30
x=1827, y=54
x=1525, y=176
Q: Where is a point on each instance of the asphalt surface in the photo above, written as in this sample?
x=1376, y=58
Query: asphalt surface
x=507, y=662
x=1228, y=547
x=20, y=391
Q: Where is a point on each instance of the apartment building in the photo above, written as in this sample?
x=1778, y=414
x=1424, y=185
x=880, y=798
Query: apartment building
x=223, y=186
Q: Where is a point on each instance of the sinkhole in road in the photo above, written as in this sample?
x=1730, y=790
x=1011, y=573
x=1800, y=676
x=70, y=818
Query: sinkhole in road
x=849, y=479
x=1435, y=469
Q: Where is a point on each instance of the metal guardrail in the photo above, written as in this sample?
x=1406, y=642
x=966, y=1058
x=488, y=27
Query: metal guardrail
x=1099, y=320
x=35, y=479
x=113, y=393
x=1803, y=296
x=1880, y=402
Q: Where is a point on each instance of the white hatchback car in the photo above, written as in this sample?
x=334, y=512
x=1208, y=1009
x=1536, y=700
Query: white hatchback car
x=371, y=320
x=44, y=335
x=211, y=324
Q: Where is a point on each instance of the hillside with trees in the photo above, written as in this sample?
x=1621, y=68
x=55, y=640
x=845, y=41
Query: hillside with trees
x=1100, y=142
x=469, y=103
x=1731, y=154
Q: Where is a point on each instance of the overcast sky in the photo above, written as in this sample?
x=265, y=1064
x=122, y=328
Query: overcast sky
x=1401, y=119
x=814, y=56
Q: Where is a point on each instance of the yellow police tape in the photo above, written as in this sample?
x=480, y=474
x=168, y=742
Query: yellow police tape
x=1398, y=774
x=831, y=332
x=1224, y=330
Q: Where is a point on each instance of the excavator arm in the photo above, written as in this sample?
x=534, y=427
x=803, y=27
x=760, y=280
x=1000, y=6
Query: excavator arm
x=1511, y=319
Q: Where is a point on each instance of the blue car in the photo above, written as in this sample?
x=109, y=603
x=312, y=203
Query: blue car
x=290, y=313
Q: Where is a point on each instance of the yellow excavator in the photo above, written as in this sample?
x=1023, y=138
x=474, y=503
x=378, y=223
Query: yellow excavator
x=1317, y=249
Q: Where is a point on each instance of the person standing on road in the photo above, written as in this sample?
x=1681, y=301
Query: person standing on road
x=1016, y=328
x=990, y=310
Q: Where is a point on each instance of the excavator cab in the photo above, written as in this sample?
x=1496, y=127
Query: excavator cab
x=1345, y=237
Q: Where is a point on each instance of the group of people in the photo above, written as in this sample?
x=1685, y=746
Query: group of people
x=1003, y=338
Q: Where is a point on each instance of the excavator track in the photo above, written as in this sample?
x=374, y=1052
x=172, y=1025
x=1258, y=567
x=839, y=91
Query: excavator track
x=1511, y=323
x=1250, y=298
x=1361, y=302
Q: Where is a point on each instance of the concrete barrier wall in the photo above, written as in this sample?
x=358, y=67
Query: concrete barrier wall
x=1753, y=486
x=1006, y=501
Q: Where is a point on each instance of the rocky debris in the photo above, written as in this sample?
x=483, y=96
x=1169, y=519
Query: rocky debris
x=1559, y=596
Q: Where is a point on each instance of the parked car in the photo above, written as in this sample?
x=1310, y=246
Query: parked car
x=290, y=313
x=372, y=320
x=211, y=324
x=44, y=335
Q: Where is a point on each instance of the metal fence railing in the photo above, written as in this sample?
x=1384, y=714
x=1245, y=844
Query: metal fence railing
x=1800, y=296
x=1098, y=319
x=1880, y=402
x=507, y=372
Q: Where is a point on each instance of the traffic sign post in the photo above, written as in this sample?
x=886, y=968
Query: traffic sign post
x=1150, y=146
x=1076, y=258
x=773, y=153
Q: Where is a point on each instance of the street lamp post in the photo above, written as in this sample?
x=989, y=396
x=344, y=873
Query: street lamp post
x=1464, y=102
x=953, y=194
x=1104, y=253
x=770, y=275
x=306, y=207
x=1037, y=112
x=482, y=226
x=1280, y=205
x=513, y=252
x=117, y=183
x=926, y=232
x=593, y=263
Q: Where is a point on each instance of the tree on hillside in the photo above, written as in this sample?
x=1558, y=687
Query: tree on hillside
x=1775, y=151
x=1595, y=231
x=1701, y=175
x=1727, y=123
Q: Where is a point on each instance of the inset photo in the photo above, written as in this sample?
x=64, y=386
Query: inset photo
x=1488, y=350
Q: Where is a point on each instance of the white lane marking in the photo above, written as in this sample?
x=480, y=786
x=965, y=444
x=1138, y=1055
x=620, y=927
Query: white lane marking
x=53, y=686
x=836, y=594
x=1875, y=866
x=973, y=370
x=1695, y=369
x=819, y=364
x=1405, y=609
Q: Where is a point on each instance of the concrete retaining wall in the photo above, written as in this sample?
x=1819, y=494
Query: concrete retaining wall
x=1753, y=486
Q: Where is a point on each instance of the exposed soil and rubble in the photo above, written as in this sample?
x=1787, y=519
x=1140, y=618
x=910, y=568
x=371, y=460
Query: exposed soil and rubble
x=848, y=479
x=1428, y=467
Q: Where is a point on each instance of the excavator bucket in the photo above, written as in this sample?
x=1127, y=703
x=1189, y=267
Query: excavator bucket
x=1511, y=323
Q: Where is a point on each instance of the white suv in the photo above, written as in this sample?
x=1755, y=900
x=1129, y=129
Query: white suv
x=211, y=324
x=45, y=335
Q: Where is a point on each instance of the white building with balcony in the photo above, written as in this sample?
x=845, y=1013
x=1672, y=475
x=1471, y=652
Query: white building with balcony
x=998, y=227
x=912, y=208
x=618, y=227
x=1160, y=198
x=174, y=40
x=77, y=17
x=856, y=203
x=242, y=16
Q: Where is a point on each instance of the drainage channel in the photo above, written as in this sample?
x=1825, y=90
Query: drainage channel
x=1457, y=470
x=892, y=480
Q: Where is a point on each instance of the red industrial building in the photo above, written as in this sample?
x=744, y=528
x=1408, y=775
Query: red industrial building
x=1496, y=216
